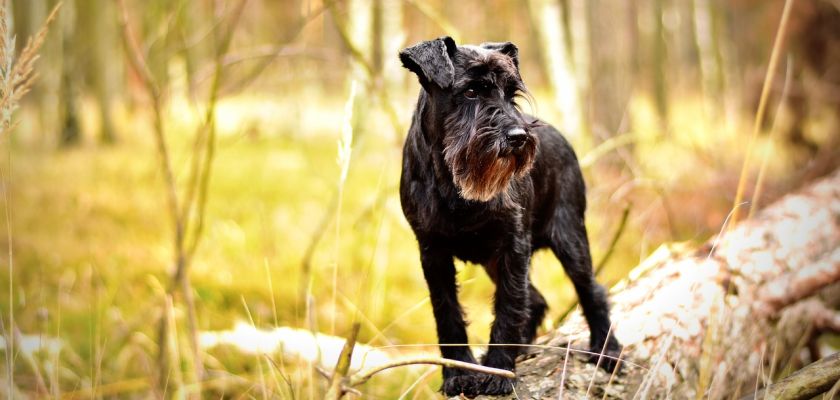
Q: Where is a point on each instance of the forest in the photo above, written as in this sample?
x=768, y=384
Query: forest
x=201, y=197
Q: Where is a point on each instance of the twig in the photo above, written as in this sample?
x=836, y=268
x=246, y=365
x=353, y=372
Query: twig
x=616, y=236
x=365, y=375
x=342, y=367
x=341, y=382
x=282, y=373
x=204, y=182
x=210, y=124
x=141, y=67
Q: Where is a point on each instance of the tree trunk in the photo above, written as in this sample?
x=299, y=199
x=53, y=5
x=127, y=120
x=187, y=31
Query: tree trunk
x=556, y=55
x=105, y=79
x=610, y=85
x=659, y=58
x=70, y=128
x=720, y=321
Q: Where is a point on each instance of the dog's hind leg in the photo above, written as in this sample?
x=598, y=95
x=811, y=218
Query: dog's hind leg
x=570, y=244
x=537, y=307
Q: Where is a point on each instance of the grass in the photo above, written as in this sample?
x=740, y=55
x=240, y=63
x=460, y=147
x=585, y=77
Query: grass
x=93, y=251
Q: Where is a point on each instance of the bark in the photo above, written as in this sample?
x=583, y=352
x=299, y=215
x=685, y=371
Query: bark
x=721, y=321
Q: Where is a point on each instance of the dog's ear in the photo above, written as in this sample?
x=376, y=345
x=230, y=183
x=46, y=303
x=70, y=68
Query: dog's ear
x=431, y=61
x=507, y=48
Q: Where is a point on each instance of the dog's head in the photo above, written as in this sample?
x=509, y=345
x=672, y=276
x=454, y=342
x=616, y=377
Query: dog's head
x=486, y=140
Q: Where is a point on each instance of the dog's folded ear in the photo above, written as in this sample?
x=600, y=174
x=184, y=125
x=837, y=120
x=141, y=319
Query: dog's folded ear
x=507, y=48
x=431, y=61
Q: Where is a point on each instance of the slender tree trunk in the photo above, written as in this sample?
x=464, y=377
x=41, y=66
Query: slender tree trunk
x=70, y=129
x=707, y=24
x=560, y=67
x=609, y=81
x=659, y=78
x=105, y=68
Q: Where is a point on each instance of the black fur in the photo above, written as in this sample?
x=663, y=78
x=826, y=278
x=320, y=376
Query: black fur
x=487, y=184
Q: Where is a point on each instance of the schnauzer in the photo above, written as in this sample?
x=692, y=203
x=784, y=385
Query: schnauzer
x=487, y=184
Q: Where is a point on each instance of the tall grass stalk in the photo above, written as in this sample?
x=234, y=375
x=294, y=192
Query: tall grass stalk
x=762, y=103
x=271, y=291
x=17, y=76
x=260, y=373
x=759, y=182
x=345, y=149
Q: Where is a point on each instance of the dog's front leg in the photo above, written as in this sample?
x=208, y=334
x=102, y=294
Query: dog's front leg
x=510, y=268
x=439, y=271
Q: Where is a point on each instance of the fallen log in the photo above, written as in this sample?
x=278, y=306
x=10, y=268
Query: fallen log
x=722, y=321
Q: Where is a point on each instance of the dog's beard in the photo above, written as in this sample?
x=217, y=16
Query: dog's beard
x=481, y=165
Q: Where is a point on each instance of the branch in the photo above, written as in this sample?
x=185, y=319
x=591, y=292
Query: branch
x=618, y=232
x=135, y=55
x=141, y=67
x=810, y=381
x=210, y=124
x=341, y=382
x=343, y=365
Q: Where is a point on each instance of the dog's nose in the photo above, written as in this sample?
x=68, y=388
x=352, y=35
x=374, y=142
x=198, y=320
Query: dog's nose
x=516, y=137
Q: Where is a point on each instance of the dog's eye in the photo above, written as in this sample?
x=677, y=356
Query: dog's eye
x=470, y=94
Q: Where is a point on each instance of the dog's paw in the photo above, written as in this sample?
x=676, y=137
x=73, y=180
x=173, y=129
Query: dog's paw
x=609, y=360
x=495, y=385
x=464, y=384
x=472, y=385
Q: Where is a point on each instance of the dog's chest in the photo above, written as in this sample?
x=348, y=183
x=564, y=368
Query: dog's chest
x=476, y=247
x=470, y=233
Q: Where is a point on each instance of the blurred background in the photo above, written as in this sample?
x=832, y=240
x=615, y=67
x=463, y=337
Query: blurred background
x=286, y=219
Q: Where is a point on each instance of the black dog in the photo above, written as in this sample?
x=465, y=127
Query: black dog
x=487, y=184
